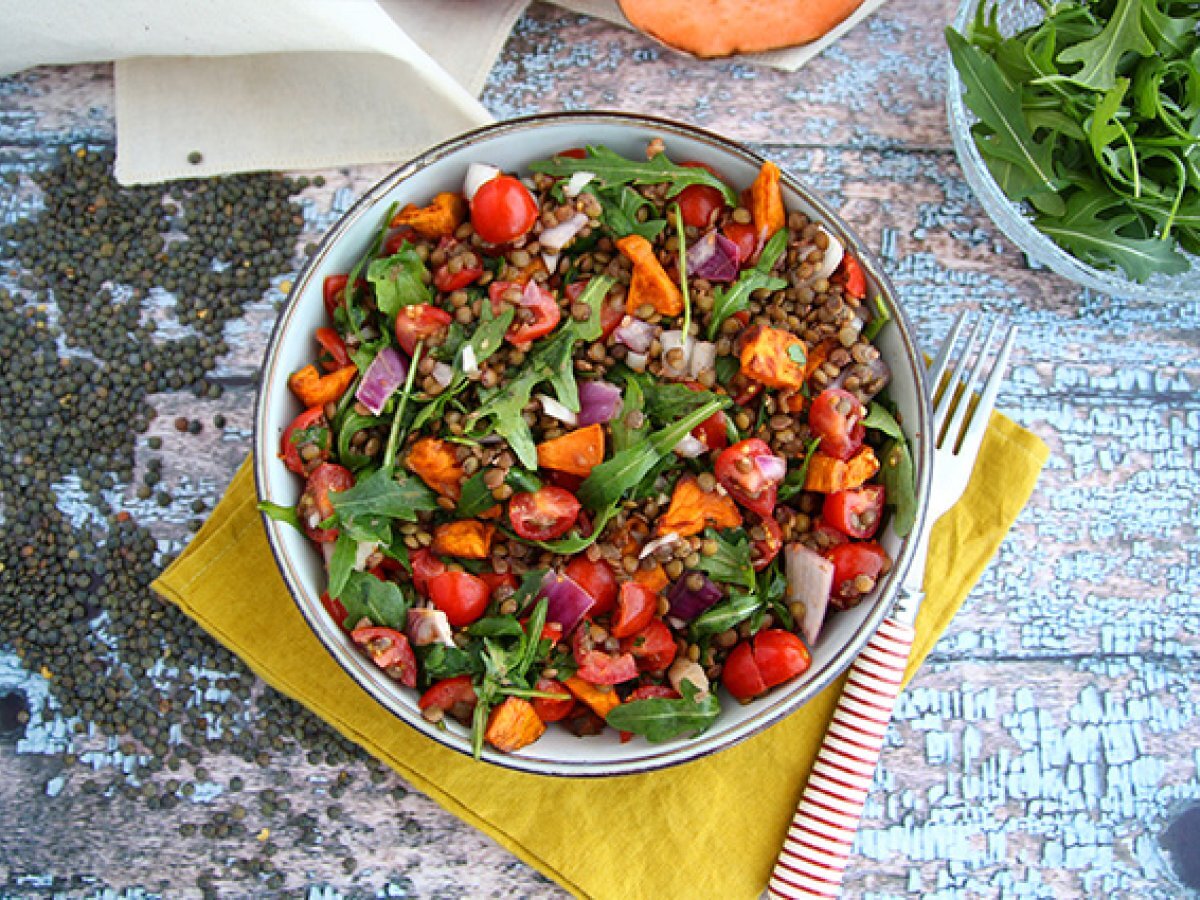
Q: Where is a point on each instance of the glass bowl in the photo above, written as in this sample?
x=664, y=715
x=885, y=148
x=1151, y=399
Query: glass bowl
x=1013, y=218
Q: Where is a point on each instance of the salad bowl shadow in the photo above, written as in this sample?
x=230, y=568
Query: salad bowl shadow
x=511, y=145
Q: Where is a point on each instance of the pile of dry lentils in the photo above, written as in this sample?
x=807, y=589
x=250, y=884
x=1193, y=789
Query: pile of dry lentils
x=83, y=283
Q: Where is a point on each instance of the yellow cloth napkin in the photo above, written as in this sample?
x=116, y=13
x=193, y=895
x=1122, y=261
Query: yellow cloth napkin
x=707, y=829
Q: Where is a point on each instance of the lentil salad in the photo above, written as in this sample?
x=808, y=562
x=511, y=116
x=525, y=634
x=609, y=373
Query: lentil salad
x=561, y=428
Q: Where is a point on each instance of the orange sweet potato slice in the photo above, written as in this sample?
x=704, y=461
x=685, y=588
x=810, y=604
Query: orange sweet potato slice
x=650, y=283
x=436, y=463
x=439, y=219
x=828, y=474
x=709, y=28
x=576, y=452
x=464, y=538
x=693, y=509
x=513, y=724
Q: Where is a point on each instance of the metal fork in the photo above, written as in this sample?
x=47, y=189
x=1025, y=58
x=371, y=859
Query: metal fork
x=817, y=847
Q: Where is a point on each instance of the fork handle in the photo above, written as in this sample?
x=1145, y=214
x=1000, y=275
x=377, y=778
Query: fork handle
x=817, y=847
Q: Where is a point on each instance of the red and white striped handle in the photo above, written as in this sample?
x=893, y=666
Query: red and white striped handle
x=817, y=847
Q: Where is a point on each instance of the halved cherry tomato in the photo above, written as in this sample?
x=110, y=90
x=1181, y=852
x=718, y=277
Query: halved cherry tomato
x=826, y=537
x=390, y=650
x=419, y=322
x=537, y=310
x=856, y=513
x=332, y=291
x=315, y=507
x=396, y=240
x=388, y=569
x=425, y=565
x=648, y=692
x=336, y=609
x=544, y=514
x=636, y=606
x=745, y=237
x=836, y=418
x=460, y=595
x=713, y=432
x=699, y=204
x=455, y=697
x=573, y=153
x=596, y=666
x=852, y=277
x=612, y=308
x=552, y=710
x=764, y=550
x=769, y=658
x=497, y=580
x=597, y=579
x=503, y=210
x=289, y=449
x=445, y=280
x=852, y=561
x=739, y=469
x=653, y=647
x=334, y=355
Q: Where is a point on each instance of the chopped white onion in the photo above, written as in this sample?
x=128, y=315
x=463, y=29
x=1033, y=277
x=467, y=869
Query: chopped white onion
x=832, y=258
x=577, y=183
x=666, y=540
x=556, y=410
x=551, y=262
x=683, y=669
x=704, y=357
x=478, y=174
x=469, y=363
x=809, y=581
x=442, y=374
x=673, y=340
x=554, y=239
x=362, y=552
x=636, y=334
x=428, y=626
x=690, y=446
x=637, y=361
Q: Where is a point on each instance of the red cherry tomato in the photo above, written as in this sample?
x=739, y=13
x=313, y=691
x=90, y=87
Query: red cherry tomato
x=597, y=579
x=544, y=514
x=612, y=309
x=636, y=606
x=333, y=350
x=388, y=569
x=496, y=580
x=852, y=560
x=764, y=550
x=552, y=710
x=700, y=205
x=596, y=666
x=332, y=290
x=537, y=311
x=425, y=565
x=419, y=322
x=289, y=449
x=460, y=595
x=573, y=153
x=445, y=280
x=856, y=513
x=455, y=697
x=740, y=472
x=335, y=608
x=503, y=210
x=712, y=432
x=315, y=507
x=653, y=647
x=836, y=418
x=827, y=537
x=852, y=277
x=395, y=241
x=768, y=659
x=390, y=650
x=745, y=238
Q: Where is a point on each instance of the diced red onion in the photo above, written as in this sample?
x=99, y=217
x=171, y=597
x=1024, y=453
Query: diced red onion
x=428, y=626
x=772, y=468
x=442, y=374
x=599, y=402
x=809, y=581
x=704, y=356
x=566, y=602
x=714, y=258
x=690, y=446
x=554, y=239
x=577, y=183
x=686, y=603
x=556, y=410
x=478, y=174
x=636, y=334
x=384, y=375
x=878, y=374
x=831, y=260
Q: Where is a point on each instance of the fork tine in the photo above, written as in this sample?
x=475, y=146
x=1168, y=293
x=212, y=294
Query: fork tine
x=987, y=400
x=937, y=369
x=955, y=428
x=950, y=393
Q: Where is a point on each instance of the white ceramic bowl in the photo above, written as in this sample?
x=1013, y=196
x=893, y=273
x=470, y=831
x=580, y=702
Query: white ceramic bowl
x=1013, y=218
x=511, y=145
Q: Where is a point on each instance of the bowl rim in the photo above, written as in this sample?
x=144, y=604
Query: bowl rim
x=675, y=752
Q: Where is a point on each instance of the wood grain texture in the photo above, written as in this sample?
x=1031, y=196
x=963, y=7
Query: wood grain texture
x=1052, y=734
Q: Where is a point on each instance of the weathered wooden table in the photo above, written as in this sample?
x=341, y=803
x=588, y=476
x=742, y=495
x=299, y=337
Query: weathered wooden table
x=1052, y=735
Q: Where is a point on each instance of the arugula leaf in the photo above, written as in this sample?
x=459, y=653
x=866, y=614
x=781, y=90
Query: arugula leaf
x=898, y=479
x=722, y=616
x=880, y=419
x=660, y=719
x=611, y=169
x=731, y=563
x=399, y=280
x=736, y=297
x=881, y=318
x=383, y=602
x=620, y=207
x=624, y=435
x=353, y=315
x=1101, y=55
x=793, y=482
x=285, y=514
x=379, y=494
x=341, y=564
x=575, y=542
x=475, y=498
x=438, y=661
x=666, y=402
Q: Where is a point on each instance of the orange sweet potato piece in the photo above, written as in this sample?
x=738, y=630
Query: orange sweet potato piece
x=513, y=725
x=692, y=510
x=315, y=389
x=650, y=283
x=828, y=474
x=709, y=28
x=602, y=700
x=576, y=452
x=464, y=538
x=767, y=357
x=652, y=579
x=435, y=462
x=766, y=202
x=440, y=218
